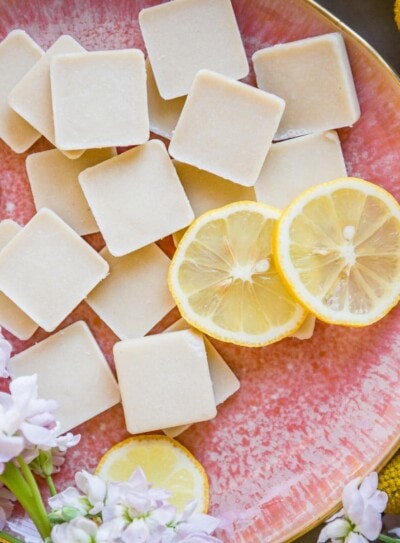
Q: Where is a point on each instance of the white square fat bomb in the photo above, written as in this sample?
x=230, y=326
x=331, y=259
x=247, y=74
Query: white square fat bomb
x=47, y=269
x=164, y=381
x=163, y=114
x=54, y=182
x=314, y=78
x=295, y=165
x=135, y=295
x=11, y=317
x=31, y=97
x=99, y=99
x=226, y=127
x=136, y=198
x=18, y=53
x=224, y=381
x=306, y=330
x=72, y=370
x=207, y=191
x=185, y=36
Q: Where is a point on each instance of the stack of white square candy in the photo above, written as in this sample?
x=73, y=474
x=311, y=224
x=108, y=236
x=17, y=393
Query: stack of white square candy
x=72, y=370
x=47, y=269
x=222, y=133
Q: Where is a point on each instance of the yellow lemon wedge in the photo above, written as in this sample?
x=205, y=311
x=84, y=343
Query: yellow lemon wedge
x=337, y=247
x=224, y=281
x=166, y=463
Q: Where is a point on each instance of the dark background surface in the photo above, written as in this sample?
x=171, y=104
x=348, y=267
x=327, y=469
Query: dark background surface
x=374, y=21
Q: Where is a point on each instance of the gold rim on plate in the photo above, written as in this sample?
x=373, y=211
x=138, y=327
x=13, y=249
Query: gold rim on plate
x=388, y=455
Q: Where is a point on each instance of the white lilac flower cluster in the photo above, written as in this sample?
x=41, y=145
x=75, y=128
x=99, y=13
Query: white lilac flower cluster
x=94, y=512
x=28, y=425
x=125, y=512
x=360, y=519
x=5, y=352
x=28, y=429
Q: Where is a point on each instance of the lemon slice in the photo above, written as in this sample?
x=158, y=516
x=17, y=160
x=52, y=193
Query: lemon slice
x=166, y=463
x=338, y=248
x=224, y=281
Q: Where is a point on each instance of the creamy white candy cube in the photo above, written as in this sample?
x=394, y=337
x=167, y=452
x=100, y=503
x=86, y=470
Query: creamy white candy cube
x=224, y=381
x=31, y=97
x=226, y=127
x=54, y=183
x=185, y=36
x=163, y=114
x=295, y=165
x=164, y=381
x=8, y=230
x=314, y=78
x=306, y=330
x=47, y=269
x=72, y=370
x=12, y=318
x=134, y=296
x=18, y=53
x=99, y=99
x=207, y=191
x=136, y=198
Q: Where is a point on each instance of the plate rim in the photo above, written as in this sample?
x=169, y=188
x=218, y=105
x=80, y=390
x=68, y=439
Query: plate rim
x=389, y=454
x=356, y=36
x=386, y=456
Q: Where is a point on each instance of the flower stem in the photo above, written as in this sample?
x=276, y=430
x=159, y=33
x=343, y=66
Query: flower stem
x=30, y=500
x=50, y=484
x=30, y=479
x=388, y=539
x=9, y=538
x=13, y=480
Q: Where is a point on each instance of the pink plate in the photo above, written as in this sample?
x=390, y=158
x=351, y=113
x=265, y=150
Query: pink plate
x=310, y=415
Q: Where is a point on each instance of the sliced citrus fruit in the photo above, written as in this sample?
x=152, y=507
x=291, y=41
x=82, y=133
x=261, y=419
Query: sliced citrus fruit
x=166, y=463
x=338, y=248
x=224, y=281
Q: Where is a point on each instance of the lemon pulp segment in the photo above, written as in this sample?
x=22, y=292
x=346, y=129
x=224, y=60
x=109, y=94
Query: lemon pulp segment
x=166, y=463
x=224, y=280
x=338, y=249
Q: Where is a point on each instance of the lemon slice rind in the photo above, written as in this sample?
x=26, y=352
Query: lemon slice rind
x=204, y=324
x=290, y=274
x=161, y=475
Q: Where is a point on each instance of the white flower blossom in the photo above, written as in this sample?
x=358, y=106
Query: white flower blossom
x=191, y=527
x=127, y=512
x=360, y=520
x=66, y=441
x=5, y=352
x=36, y=421
x=109, y=532
x=87, y=499
x=60, y=448
x=136, y=494
x=70, y=497
x=140, y=512
x=50, y=461
x=27, y=423
x=94, y=488
x=10, y=445
x=78, y=530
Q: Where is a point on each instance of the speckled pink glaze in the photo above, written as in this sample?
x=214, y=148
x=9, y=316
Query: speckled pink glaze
x=309, y=415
